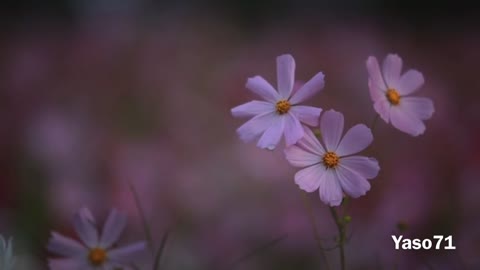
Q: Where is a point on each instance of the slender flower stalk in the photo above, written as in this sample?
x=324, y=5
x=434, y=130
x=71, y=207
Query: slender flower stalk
x=313, y=222
x=342, y=236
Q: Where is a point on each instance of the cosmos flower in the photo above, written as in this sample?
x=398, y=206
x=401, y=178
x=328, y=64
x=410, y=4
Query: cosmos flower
x=390, y=92
x=93, y=252
x=7, y=260
x=280, y=113
x=333, y=169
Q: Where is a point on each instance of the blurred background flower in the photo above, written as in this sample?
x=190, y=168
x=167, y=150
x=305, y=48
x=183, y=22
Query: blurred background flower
x=96, y=94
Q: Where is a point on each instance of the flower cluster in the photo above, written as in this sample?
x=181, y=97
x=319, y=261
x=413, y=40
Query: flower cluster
x=331, y=167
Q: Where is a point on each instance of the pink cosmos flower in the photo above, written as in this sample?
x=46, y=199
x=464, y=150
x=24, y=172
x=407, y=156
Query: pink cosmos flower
x=390, y=91
x=96, y=251
x=332, y=169
x=279, y=113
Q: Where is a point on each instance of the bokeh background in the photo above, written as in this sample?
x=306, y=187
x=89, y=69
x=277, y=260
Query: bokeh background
x=95, y=95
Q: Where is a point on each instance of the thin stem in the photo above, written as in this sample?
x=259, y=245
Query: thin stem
x=374, y=122
x=341, y=236
x=256, y=251
x=146, y=227
x=311, y=216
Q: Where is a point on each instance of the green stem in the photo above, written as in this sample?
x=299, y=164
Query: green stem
x=341, y=236
x=311, y=216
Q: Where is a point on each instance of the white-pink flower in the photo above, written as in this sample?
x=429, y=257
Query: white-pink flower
x=93, y=252
x=333, y=169
x=280, y=113
x=389, y=91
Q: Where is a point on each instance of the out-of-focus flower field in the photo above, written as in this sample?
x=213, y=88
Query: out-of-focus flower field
x=124, y=93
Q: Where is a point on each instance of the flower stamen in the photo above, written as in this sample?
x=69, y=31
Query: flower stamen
x=331, y=160
x=392, y=96
x=97, y=256
x=283, y=106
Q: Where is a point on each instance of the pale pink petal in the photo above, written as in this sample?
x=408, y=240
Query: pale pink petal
x=410, y=82
x=69, y=264
x=308, y=179
x=273, y=134
x=285, y=75
x=261, y=87
x=65, y=246
x=331, y=127
x=85, y=227
x=256, y=126
x=392, y=66
x=420, y=107
x=114, y=226
x=376, y=83
x=311, y=143
x=355, y=140
x=126, y=254
x=293, y=129
x=382, y=107
x=352, y=183
x=300, y=157
x=330, y=189
x=363, y=166
x=310, y=88
x=253, y=108
x=307, y=114
x=406, y=121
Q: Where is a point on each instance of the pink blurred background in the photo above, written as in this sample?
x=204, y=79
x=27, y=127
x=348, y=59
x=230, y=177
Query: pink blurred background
x=97, y=94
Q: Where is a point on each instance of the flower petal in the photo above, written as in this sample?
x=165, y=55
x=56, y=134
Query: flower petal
x=376, y=83
x=307, y=114
x=382, y=107
x=114, y=226
x=285, y=75
x=256, y=126
x=261, y=87
x=85, y=227
x=311, y=143
x=253, y=108
x=65, y=246
x=420, y=107
x=392, y=66
x=300, y=157
x=331, y=126
x=293, y=129
x=69, y=264
x=126, y=254
x=273, y=134
x=330, y=189
x=308, y=179
x=406, y=121
x=410, y=82
x=363, y=166
x=309, y=89
x=355, y=140
x=352, y=183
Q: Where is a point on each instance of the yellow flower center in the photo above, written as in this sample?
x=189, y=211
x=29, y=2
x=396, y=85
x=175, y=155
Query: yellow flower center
x=393, y=96
x=283, y=106
x=97, y=256
x=331, y=160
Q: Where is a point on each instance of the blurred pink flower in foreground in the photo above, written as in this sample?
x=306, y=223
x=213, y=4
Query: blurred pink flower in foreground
x=332, y=169
x=95, y=252
x=280, y=113
x=389, y=94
